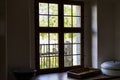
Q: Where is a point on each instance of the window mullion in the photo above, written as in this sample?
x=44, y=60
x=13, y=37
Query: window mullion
x=72, y=16
x=82, y=34
x=61, y=37
x=48, y=16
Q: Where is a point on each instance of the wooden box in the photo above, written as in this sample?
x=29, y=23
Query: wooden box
x=83, y=73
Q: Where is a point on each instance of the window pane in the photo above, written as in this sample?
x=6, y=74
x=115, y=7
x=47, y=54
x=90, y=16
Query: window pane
x=43, y=38
x=72, y=49
x=48, y=50
x=53, y=60
x=76, y=10
x=67, y=9
x=43, y=8
x=67, y=22
x=43, y=21
x=77, y=43
x=44, y=61
x=54, y=42
x=67, y=37
x=76, y=60
x=68, y=49
x=53, y=9
x=76, y=37
x=53, y=38
x=68, y=61
x=76, y=48
x=76, y=22
x=53, y=21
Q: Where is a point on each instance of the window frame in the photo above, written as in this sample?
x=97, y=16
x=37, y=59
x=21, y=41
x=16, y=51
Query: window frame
x=60, y=30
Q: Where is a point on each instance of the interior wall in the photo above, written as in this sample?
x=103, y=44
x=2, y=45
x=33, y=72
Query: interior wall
x=105, y=31
x=87, y=33
x=3, y=64
x=31, y=33
x=94, y=35
x=117, y=30
x=18, y=36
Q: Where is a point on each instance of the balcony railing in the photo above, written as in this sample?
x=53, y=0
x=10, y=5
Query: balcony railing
x=49, y=56
x=49, y=60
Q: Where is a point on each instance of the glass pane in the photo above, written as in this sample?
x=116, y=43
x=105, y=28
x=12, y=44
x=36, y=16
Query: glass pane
x=43, y=41
x=76, y=60
x=43, y=38
x=76, y=22
x=44, y=61
x=43, y=21
x=53, y=61
x=53, y=21
x=53, y=48
x=48, y=49
x=72, y=49
x=76, y=48
x=53, y=9
x=54, y=42
x=68, y=49
x=67, y=9
x=76, y=10
x=76, y=45
x=76, y=37
x=53, y=38
x=43, y=8
x=67, y=22
x=68, y=61
x=67, y=38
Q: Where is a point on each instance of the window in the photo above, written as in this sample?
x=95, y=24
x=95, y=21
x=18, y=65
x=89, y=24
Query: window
x=59, y=35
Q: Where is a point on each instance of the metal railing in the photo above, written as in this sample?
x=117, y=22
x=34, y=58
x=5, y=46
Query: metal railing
x=49, y=56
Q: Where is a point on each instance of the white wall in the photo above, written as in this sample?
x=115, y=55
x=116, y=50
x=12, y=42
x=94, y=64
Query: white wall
x=19, y=37
x=87, y=33
x=3, y=64
x=102, y=31
x=117, y=31
x=94, y=34
x=105, y=31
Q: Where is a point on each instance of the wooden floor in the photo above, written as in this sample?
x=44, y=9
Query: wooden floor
x=63, y=76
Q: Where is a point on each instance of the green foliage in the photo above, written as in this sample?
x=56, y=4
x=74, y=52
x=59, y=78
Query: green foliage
x=48, y=62
x=53, y=21
x=52, y=10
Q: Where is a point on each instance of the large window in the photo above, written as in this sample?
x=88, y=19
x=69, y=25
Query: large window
x=59, y=35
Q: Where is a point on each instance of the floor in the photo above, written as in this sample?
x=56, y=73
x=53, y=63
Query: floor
x=54, y=76
x=63, y=76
